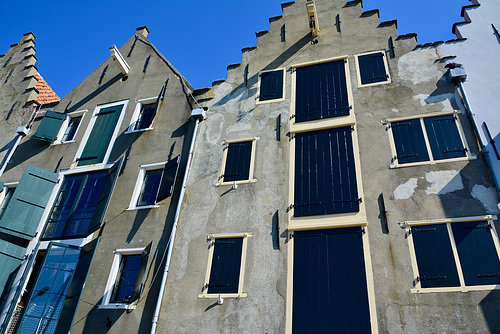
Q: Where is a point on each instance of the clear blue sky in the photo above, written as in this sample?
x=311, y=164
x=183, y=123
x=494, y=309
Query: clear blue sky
x=199, y=37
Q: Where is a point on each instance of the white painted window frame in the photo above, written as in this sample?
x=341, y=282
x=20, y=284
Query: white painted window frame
x=88, y=131
x=64, y=127
x=417, y=288
x=137, y=113
x=115, y=267
x=138, y=186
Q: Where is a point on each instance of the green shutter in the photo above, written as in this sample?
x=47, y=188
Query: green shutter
x=102, y=131
x=1, y=184
x=105, y=197
x=75, y=289
x=11, y=257
x=49, y=126
x=25, y=209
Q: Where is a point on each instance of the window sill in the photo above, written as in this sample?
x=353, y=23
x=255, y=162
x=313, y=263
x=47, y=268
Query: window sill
x=433, y=162
x=117, y=307
x=375, y=84
x=269, y=101
x=143, y=207
x=223, y=183
x=457, y=289
x=222, y=295
x=140, y=130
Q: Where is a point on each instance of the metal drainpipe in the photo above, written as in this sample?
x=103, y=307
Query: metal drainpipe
x=174, y=228
x=476, y=129
x=11, y=153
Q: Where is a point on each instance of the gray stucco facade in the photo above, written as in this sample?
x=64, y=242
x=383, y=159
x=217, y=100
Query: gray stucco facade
x=306, y=139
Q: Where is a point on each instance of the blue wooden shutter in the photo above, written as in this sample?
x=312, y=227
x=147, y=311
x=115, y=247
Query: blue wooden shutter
x=226, y=264
x=271, y=85
x=325, y=173
x=105, y=196
x=168, y=179
x=330, y=292
x=409, y=141
x=238, y=161
x=435, y=261
x=11, y=256
x=49, y=126
x=477, y=253
x=444, y=138
x=372, y=68
x=28, y=202
x=99, y=139
x=75, y=289
x=321, y=91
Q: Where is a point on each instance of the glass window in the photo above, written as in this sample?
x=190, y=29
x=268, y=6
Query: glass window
x=146, y=116
x=70, y=132
x=126, y=279
x=150, y=187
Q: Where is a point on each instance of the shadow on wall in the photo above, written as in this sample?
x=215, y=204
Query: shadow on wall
x=490, y=307
x=102, y=320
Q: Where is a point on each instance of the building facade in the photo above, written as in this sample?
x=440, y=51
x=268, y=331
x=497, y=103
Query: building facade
x=332, y=183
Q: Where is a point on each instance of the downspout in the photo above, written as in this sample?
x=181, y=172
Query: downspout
x=171, y=240
x=476, y=129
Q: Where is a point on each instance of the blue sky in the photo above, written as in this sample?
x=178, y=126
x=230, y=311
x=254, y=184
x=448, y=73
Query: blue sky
x=199, y=37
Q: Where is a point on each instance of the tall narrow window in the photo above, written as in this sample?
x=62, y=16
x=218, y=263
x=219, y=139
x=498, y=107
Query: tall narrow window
x=70, y=132
x=147, y=113
x=321, y=91
x=101, y=138
x=325, y=173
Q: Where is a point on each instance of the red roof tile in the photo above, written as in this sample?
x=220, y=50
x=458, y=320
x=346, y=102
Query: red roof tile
x=45, y=94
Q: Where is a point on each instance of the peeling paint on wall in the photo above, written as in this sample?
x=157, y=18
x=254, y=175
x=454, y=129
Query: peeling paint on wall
x=487, y=197
x=414, y=66
x=443, y=182
x=445, y=99
x=406, y=190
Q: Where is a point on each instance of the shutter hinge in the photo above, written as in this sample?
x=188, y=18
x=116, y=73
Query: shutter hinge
x=361, y=200
x=293, y=116
x=345, y=61
x=292, y=136
x=352, y=128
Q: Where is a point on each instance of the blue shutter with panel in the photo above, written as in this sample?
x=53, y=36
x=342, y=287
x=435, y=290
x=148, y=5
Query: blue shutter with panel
x=325, y=173
x=226, y=264
x=238, y=161
x=98, y=142
x=409, y=141
x=435, y=260
x=321, y=91
x=444, y=137
x=372, y=68
x=271, y=85
x=330, y=293
x=477, y=253
x=25, y=209
x=49, y=126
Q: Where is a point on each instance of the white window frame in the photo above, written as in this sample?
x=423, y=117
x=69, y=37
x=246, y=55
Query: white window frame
x=115, y=267
x=64, y=127
x=431, y=161
x=284, y=85
x=138, y=186
x=137, y=113
x=88, y=131
x=3, y=190
x=448, y=221
x=386, y=65
x=212, y=237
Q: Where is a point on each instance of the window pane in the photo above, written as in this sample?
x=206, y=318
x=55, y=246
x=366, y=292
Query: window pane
x=126, y=279
x=372, y=68
x=271, y=85
x=226, y=265
x=409, y=141
x=477, y=253
x=325, y=173
x=330, y=292
x=148, y=112
x=444, y=137
x=321, y=91
x=435, y=260
x=150, y=187
x=238, y=161
x=70, y=132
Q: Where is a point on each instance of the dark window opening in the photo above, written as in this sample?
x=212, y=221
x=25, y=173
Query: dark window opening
x=226, y=266
x=271, y=85
x=372, y=68
x=238, y=160
x=70, y=132
x=146, y=116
